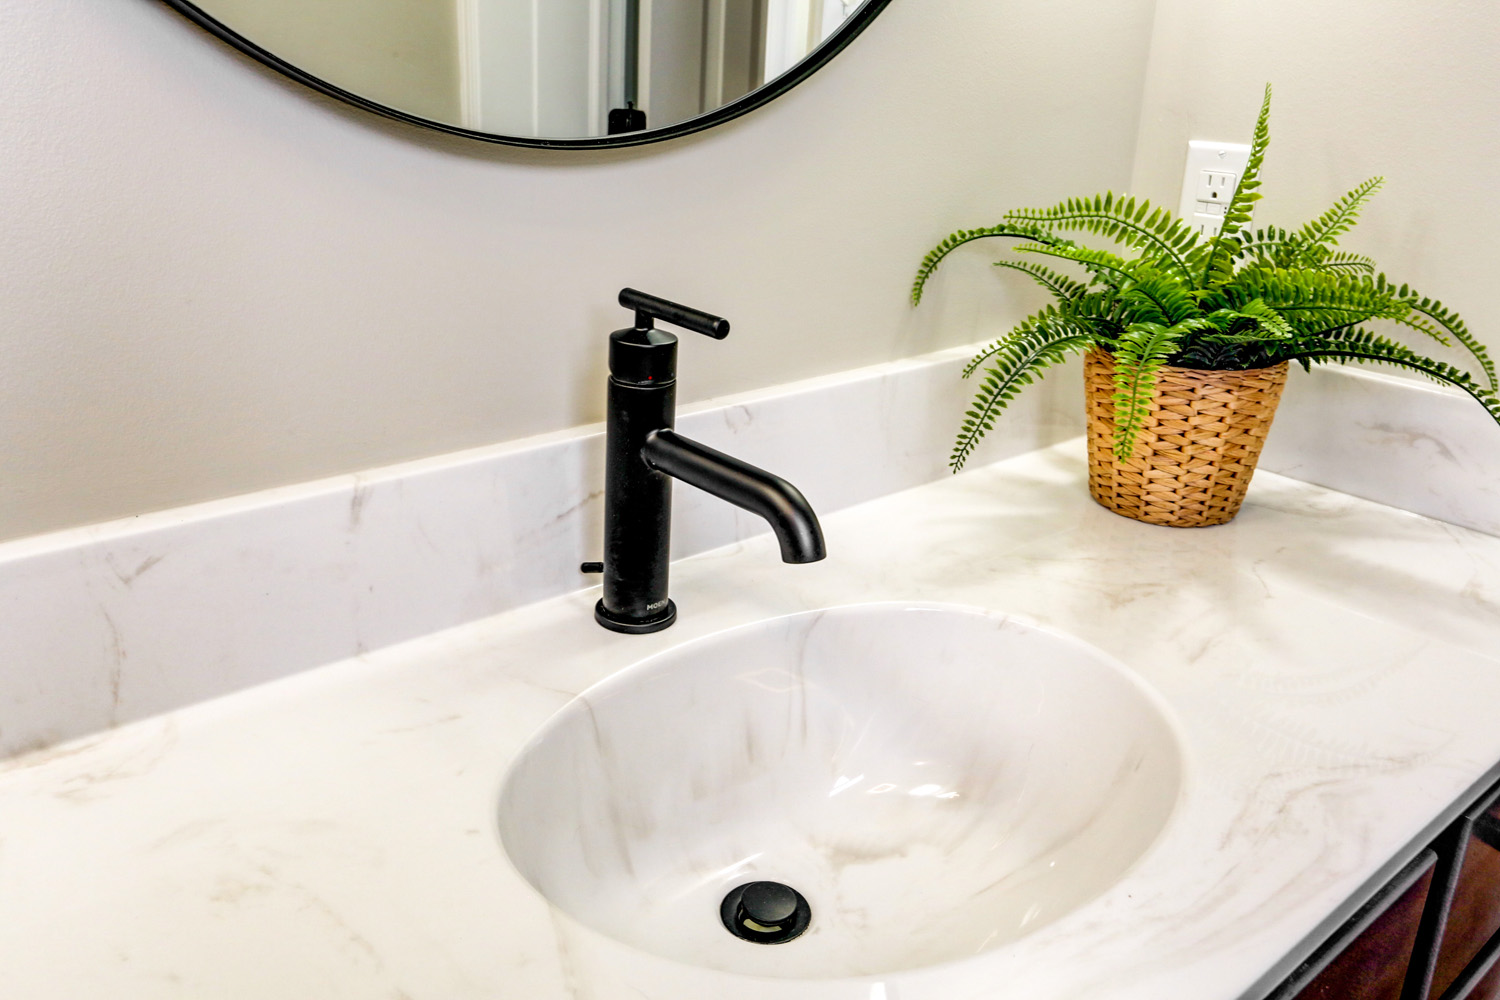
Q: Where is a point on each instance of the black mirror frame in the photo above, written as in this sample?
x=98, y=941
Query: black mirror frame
x=811, y=63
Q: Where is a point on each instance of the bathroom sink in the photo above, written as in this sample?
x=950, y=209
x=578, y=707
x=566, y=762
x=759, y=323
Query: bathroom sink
x=933, y=781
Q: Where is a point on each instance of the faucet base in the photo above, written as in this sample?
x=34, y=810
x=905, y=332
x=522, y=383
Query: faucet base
x=634, y=626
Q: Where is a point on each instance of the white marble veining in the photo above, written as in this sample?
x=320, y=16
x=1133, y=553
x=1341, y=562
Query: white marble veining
x=936, y=781
x=1333, y=667
x=119, y=621
x=1422, y=447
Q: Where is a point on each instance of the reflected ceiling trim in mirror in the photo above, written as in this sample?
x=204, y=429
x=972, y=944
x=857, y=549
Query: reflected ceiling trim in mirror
x=767, y=92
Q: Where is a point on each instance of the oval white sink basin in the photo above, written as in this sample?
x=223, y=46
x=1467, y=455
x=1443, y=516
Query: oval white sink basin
x=936, y=781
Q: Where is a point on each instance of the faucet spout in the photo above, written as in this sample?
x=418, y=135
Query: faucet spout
x=790, y=515
x=642, y=455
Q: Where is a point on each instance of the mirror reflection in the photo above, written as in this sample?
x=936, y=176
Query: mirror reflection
x=540, y=68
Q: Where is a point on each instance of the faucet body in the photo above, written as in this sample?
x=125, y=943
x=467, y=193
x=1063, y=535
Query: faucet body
x=643, y=454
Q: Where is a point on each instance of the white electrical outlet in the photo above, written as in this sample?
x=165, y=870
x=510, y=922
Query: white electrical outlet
x=1212, y=173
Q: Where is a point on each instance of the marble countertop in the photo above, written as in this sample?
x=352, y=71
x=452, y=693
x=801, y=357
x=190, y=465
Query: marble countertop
x=1334, y=666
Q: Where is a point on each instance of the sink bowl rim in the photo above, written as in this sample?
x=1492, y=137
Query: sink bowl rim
x=1160, y=708
x=625, y=674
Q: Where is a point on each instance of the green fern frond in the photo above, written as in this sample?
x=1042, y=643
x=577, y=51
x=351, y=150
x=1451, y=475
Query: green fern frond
x=955, y=240
x=1341, y=261
x=1312, y=301
x=1440, y=318
x=1247, y=191
x=1402, y=297
x=1125, y=220
x=1020, y=359
x=1324, y=231
x=1101, y=313
x=987, y=352
x=1253, y=322
x=1058, y=284
x=1052, y=318
x=1108, y=268
x=1276, y=247
x=1154, y=297
x=1139, y=355
x=1364, y=347
x=1264, y=245
x=1226, y=247
x=1270, y=322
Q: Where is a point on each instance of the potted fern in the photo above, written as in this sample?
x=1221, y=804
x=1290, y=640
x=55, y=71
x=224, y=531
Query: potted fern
x=1187, y=339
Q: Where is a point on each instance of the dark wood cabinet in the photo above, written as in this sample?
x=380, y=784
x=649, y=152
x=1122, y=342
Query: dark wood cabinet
x=1431, y=933
x=1468, y=938
x=1369, y=956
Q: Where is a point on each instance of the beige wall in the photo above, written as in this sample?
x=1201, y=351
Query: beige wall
x=216, y=281
x=402, y=53
x=1405, y=90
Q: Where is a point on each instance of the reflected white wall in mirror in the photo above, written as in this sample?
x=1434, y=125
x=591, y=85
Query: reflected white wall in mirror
x=401, y=53
x=540, y=68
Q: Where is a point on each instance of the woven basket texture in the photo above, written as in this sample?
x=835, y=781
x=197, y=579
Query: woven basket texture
x=1197, y=449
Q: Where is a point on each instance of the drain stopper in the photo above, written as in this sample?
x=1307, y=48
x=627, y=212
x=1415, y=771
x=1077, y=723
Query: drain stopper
x=765, y=912
x=768, y=903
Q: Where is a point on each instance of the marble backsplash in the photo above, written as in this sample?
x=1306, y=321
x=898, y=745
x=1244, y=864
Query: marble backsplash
x=118, y=621
x=1423, y=447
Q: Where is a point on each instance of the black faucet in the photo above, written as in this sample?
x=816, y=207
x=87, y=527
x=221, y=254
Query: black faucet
x=642, y=456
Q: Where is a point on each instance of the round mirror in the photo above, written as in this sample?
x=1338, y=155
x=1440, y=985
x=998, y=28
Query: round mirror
x=558, y=73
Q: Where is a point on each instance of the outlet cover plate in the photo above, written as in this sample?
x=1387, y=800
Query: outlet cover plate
x=1212, y=172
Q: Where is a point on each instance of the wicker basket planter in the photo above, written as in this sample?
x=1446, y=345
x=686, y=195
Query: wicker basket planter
x=1197, y=449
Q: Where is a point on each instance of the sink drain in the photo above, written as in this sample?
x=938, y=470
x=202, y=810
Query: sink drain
x=765, y=912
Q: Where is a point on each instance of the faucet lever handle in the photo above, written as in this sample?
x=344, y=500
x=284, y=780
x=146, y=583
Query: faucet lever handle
x=651, y=307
